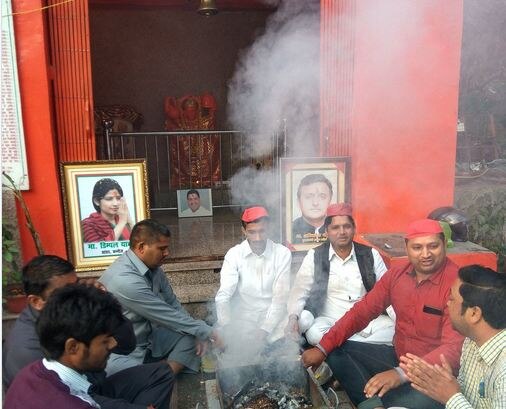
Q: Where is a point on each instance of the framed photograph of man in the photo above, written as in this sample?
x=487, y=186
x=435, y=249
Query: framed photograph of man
x=194, y=203
x=309, y=185
x=102, y=202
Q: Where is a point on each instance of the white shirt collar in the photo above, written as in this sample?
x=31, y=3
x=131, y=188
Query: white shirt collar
x=247, y=249
x=77, y=383
x=333, y=253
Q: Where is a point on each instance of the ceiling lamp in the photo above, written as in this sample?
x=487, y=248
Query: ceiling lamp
x=207, y=8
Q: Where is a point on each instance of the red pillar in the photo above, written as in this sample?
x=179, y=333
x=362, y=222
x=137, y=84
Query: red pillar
x=43, y=198
x=402, y=107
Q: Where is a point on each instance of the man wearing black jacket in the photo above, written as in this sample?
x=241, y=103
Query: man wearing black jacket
x=332, y=278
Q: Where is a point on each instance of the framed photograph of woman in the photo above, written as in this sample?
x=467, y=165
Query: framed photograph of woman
x=309, y=185
x=102, y=201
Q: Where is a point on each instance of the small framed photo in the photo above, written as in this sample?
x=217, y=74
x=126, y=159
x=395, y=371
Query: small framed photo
x=102, y=202
x=309, y=185
x=194, y=203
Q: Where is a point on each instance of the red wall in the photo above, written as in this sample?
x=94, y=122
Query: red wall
x=43, y=198
x=404, y=109
x=406, y=82
x=390, y=81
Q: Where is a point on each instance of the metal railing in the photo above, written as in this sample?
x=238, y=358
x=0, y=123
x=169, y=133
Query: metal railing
x=192, y=159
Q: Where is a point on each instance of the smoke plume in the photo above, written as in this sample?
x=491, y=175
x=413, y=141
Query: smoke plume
x=277, y=79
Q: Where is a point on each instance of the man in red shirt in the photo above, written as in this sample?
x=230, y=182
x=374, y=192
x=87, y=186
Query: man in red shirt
x=418, y=292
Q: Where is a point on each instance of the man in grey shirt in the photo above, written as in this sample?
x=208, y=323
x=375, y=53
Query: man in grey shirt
x=163, y=328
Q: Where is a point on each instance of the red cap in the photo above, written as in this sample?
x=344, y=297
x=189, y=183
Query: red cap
x=423, y=227
x=339, y=209
x=254, y=213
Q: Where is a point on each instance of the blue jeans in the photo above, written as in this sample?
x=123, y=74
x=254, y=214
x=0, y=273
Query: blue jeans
x=354, y=363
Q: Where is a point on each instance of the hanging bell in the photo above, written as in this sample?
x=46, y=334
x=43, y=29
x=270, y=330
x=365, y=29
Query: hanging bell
x=207, y=8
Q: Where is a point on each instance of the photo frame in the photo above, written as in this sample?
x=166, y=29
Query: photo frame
x=308, y=186
x=194, y=203
x=102, y=201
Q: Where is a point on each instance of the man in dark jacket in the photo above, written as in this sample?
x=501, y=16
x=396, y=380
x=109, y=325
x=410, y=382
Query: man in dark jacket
x=332, y=278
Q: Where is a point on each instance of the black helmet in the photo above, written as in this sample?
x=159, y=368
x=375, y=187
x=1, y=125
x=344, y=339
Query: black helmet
x=455, y=218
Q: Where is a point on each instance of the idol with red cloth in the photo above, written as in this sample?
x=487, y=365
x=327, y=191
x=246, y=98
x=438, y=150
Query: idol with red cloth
x=418, y=292
x=194, y=159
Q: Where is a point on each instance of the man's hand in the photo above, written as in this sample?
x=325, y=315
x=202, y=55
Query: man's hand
x=313, y=357
x=382, y=382
x=217, y=340
x=201, y=346
x=436, y=381
x=292, y=328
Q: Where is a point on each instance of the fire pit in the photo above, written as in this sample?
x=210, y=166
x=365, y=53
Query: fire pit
x=283, y=384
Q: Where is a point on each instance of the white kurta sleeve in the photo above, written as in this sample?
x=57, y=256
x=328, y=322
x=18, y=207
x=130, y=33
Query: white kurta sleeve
x=280, y=289
x=379, y=265
x=302, y=286
x=229, y=277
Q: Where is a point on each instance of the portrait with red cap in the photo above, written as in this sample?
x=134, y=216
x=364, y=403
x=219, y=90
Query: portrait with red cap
x=309, y=189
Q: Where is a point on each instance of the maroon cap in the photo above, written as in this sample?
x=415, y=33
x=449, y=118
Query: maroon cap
x=254, y=213
x=423, y=227
x=339, y=209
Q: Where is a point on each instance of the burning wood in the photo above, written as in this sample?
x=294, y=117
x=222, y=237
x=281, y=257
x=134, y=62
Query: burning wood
x=267, y=396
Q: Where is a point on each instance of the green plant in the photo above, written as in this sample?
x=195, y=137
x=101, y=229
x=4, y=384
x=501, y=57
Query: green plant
x=486, y=211
x=11, y=273
x=29, y=223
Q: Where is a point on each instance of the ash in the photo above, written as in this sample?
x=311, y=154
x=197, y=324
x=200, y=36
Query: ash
x=268, y=396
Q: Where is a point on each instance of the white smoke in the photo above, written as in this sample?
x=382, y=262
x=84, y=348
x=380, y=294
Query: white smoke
x=276, y=84
x=277, y=80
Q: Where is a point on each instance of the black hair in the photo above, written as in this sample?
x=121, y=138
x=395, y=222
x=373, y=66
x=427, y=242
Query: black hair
x=101, y=188
x=148, y=231
x=39, y=270
x=484, y=288
x=313, y=178
x=76, y=311
x=192, y=192
x=328, y=220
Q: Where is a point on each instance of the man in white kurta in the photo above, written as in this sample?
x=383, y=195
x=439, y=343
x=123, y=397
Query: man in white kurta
x=254, y=283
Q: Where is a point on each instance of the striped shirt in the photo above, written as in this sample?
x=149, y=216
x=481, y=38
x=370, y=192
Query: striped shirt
x=77, y=383
x=482, y=375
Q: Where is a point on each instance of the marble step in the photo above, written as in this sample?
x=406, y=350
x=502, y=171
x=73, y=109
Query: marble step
x=196, y=293
x=182, y=278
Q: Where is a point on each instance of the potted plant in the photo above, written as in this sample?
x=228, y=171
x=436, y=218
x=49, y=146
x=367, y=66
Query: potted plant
x=13, y=294
x=12, y=283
